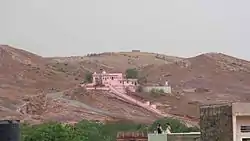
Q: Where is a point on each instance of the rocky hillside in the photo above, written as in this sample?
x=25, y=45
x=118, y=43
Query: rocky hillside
x=37, y=89
x=206, y=78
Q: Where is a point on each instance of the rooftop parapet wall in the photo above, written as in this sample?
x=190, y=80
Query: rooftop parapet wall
x=129, y=136
x=195, y=136
x=241, y=109
x=216, y=122
x=183, y=137
x=166, y=89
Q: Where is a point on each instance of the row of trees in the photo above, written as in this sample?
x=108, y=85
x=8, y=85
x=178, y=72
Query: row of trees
x=92, y=131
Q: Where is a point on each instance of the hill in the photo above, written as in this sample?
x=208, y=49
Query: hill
x=38, y=89
x=204, y=79
x=31, y=83
x=23, y=73
x=111, y=61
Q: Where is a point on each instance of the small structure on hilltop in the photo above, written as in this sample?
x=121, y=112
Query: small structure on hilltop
x=165, y=88
x=136, y=50
x=107, y=81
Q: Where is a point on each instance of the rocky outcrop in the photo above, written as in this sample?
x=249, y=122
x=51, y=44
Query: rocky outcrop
x=35, y=105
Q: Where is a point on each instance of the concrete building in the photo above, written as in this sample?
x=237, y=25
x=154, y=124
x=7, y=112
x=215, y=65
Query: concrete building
x=117, y=84
x=166, y=88
x=136, y=50
x=192, y=136
x=104, y=81
x=220, y=122
x=241, y=121
x=139, y=136
x=225, y=122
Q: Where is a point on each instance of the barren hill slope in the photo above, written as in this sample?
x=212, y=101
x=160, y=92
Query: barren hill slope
x=207, y=78
x=23, y=73
x=21, y=69
x=218, y=69
x=32, y=88
x=117, y=61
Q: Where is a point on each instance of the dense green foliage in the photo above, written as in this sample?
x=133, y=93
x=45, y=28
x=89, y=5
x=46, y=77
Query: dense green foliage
x=92, y=131
x=156, y=92
x=88, y=78
x=131, y=73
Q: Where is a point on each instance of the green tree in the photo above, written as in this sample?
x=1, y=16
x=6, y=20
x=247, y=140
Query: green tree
x=92, y=131
x=88, y=78
x=89, y=129
x=51, y=132
x=156, y=92
x=161, y=91
x=111, y=129
x=131, y=73
x=139, y=89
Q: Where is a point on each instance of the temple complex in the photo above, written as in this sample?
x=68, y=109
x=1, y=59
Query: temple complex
x=104, y=81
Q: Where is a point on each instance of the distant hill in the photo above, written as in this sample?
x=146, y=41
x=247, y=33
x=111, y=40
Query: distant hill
x=206, y=78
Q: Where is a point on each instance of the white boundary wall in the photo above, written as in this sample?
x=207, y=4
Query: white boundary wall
x=166, y=89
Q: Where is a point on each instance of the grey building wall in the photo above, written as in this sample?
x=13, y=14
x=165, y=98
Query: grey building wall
x=216, y=123
x=187, y=137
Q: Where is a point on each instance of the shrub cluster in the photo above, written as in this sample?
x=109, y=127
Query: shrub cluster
x=92, y=131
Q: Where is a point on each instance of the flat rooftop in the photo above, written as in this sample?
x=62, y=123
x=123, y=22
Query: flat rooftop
x=241, y=109
x=238, y=108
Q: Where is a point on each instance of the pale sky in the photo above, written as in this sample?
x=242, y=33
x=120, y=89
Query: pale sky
x=174, y=27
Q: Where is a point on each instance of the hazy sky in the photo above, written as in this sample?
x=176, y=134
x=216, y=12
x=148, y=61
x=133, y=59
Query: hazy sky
x=173, y=27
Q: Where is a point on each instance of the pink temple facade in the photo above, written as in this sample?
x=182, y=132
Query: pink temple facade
x=119, y=85
x=103, y=81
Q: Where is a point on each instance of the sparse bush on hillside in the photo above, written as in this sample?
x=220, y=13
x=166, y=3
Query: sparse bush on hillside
x=139, y=89
x=131, y=73
x=142, y=80
x=156, y=92
x=161, y=91
x=88, y=78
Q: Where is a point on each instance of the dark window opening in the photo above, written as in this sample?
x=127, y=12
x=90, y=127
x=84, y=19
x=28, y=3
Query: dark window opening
x=245, y=129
